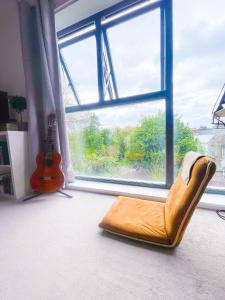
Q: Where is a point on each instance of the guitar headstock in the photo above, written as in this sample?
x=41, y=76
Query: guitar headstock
x=51, y=120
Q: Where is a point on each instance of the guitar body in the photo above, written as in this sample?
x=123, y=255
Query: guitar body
x=48, y=177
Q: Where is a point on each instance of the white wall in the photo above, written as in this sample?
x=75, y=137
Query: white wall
x=81, y=10
x=11, y=66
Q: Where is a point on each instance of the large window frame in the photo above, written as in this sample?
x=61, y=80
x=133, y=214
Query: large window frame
x=101, y=23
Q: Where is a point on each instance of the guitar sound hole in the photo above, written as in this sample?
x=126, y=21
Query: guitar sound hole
x=48, y=162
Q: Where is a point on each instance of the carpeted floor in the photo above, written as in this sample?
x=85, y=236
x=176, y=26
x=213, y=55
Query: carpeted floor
x=51, y=248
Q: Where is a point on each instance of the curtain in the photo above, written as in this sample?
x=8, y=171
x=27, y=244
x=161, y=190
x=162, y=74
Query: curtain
x=41, y=67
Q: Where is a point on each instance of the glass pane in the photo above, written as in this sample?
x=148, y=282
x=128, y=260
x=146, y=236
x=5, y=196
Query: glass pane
x=135, y=48
x=67, y=93
x=109, y=90
x=90, y=28
x=81, y=62
x=126, y=142
x=126, y=12
x=199, y=75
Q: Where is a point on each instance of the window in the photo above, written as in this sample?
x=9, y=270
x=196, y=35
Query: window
x=198, y=78
x=118, y=66
x=136, y=56
x=83, y=70
x=125, y=142
x=110, y=86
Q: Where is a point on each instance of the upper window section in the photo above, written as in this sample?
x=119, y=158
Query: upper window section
x=115, y=55
x=80, y=59
x=135, y=51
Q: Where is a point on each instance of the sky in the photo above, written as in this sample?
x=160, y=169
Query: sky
x=199, y=58
x=199, y=63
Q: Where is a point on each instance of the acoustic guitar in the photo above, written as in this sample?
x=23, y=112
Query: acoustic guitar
x=48, y=176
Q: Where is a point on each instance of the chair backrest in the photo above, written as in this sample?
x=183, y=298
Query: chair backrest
x=184, y=197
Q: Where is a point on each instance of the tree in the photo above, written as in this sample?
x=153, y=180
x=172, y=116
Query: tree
x=184, y=141
x=100, y=151
x=96, y=147
x=147, y=143
x=146, y=148
x=119, y=142
x=106, y=137
x=93, y=140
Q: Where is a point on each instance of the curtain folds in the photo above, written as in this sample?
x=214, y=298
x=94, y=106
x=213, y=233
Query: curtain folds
x=41, y=67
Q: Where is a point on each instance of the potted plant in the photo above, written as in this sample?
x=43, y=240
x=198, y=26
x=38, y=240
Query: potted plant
x=19, y=104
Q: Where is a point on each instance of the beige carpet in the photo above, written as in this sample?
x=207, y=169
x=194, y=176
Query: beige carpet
x=51, y=248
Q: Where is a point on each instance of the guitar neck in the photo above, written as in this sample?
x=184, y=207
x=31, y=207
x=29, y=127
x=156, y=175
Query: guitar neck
x=50, y=141
x=51, y=137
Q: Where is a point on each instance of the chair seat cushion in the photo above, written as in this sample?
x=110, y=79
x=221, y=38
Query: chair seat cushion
x=138, y=219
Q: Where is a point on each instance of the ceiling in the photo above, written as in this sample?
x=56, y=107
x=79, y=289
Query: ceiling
x=78, y=10
x=61, y=4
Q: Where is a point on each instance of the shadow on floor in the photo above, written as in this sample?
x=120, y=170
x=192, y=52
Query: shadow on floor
x=139, y=244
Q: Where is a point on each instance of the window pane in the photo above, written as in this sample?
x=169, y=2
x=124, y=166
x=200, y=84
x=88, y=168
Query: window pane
x=126, y=142
x=67, y=93
x=90, y=28
x=199, y=74
x=109, y=90
x=81, y=62
x=135, y=47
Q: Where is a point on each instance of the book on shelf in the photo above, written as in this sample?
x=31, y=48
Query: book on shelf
x=4, y=154
x=6, y=186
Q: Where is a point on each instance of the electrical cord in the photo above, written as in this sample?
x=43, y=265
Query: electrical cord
x=221, y=213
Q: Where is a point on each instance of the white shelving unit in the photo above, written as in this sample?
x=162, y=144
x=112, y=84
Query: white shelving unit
x=18, y=158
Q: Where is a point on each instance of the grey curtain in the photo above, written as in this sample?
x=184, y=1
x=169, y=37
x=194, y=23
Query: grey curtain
x=41, y=67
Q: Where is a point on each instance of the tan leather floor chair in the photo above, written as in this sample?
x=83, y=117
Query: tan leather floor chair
x=162, y=223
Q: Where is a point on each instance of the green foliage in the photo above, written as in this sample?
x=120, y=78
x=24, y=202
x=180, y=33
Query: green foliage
x=93, y=139
x=147, y=143
x=184, y=141
x=18, y=103
x=98, y=151
x=96, y=147
x=119, y=141
x=76, y=150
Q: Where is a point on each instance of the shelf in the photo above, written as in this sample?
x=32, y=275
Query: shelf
x=13, y=132
x=5, y=168
x=17, y=166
